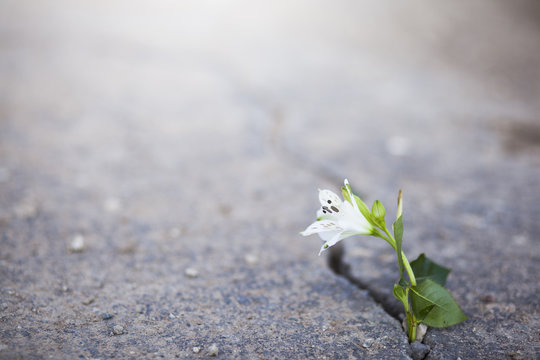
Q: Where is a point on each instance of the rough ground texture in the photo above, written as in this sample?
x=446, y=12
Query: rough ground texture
x=184, y=142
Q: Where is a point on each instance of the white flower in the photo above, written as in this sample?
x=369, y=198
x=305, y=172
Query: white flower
x=337, y=219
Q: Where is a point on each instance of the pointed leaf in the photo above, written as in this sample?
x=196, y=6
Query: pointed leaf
x=424, y=312
x=425, y=268
x=444, y=309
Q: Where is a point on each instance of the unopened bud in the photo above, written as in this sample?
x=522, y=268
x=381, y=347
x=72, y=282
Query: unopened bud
x=399, y=205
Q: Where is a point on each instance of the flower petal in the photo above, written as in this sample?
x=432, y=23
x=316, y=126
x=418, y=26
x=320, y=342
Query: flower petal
x=328, y=235
x=331, y=242
x=327, y=198
x=320, y=226
x=331, y=204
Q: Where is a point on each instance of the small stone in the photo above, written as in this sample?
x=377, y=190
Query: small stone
x=88, y=301
x=419, y=350
x=112, y=204
x=367, y=343
x=520, y=239
x=107, y=316
x=191, y=272
x=118, y=330
x=213, y=350
x=421, y=332
x=251, y=259
x=196, y=349
x=171, y=316
x=487, y=298
x=77, y=244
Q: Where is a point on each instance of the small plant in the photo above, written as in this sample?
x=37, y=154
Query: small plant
x=423, y=295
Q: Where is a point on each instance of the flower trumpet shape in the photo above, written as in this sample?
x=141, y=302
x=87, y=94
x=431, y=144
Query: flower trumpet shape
x=337, y=219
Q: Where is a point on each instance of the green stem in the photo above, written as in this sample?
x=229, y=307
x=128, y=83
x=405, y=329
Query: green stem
x=411, y=320
x=412, y=327
x=390, y=239
x=408, y=269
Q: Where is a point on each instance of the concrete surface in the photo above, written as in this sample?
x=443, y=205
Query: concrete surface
x=158, y=159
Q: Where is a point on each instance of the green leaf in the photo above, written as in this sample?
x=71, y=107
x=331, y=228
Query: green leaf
x=398, y=235
x=399, y=293
x=424, y=312
x=425, y=268
x=435, y=305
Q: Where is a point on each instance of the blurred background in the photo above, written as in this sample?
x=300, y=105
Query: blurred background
x=111, y=99
x=175, y=134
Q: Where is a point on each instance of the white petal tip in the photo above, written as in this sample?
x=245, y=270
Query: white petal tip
x=324, y=247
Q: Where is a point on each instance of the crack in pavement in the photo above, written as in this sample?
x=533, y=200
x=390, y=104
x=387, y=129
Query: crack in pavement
x=387, y=302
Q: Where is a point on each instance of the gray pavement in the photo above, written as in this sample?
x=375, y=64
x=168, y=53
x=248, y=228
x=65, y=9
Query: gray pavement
x=158, y=159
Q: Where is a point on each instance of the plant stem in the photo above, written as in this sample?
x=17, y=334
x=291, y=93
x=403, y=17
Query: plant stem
x=411, y=320
x=411, y=327
x=409, y=269
x=390, y=239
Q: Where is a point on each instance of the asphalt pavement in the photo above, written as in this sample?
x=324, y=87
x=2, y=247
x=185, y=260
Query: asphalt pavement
x=159, y=159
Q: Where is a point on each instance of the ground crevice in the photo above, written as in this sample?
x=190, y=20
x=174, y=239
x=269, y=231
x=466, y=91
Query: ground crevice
x=386, y=301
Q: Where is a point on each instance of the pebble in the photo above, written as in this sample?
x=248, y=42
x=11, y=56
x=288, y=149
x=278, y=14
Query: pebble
x=118, y=330
x=367, y=343
x=191, y=272
x=487, y=298
x=112, y=204
x=421, y=332
x=213, y=350
x=419, y=350
x=196, y=349
x=88, y=300
x=251, y=259
x=77, y=244
x=107, y=316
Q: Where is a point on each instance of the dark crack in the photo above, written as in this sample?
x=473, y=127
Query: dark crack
x=387, y=302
